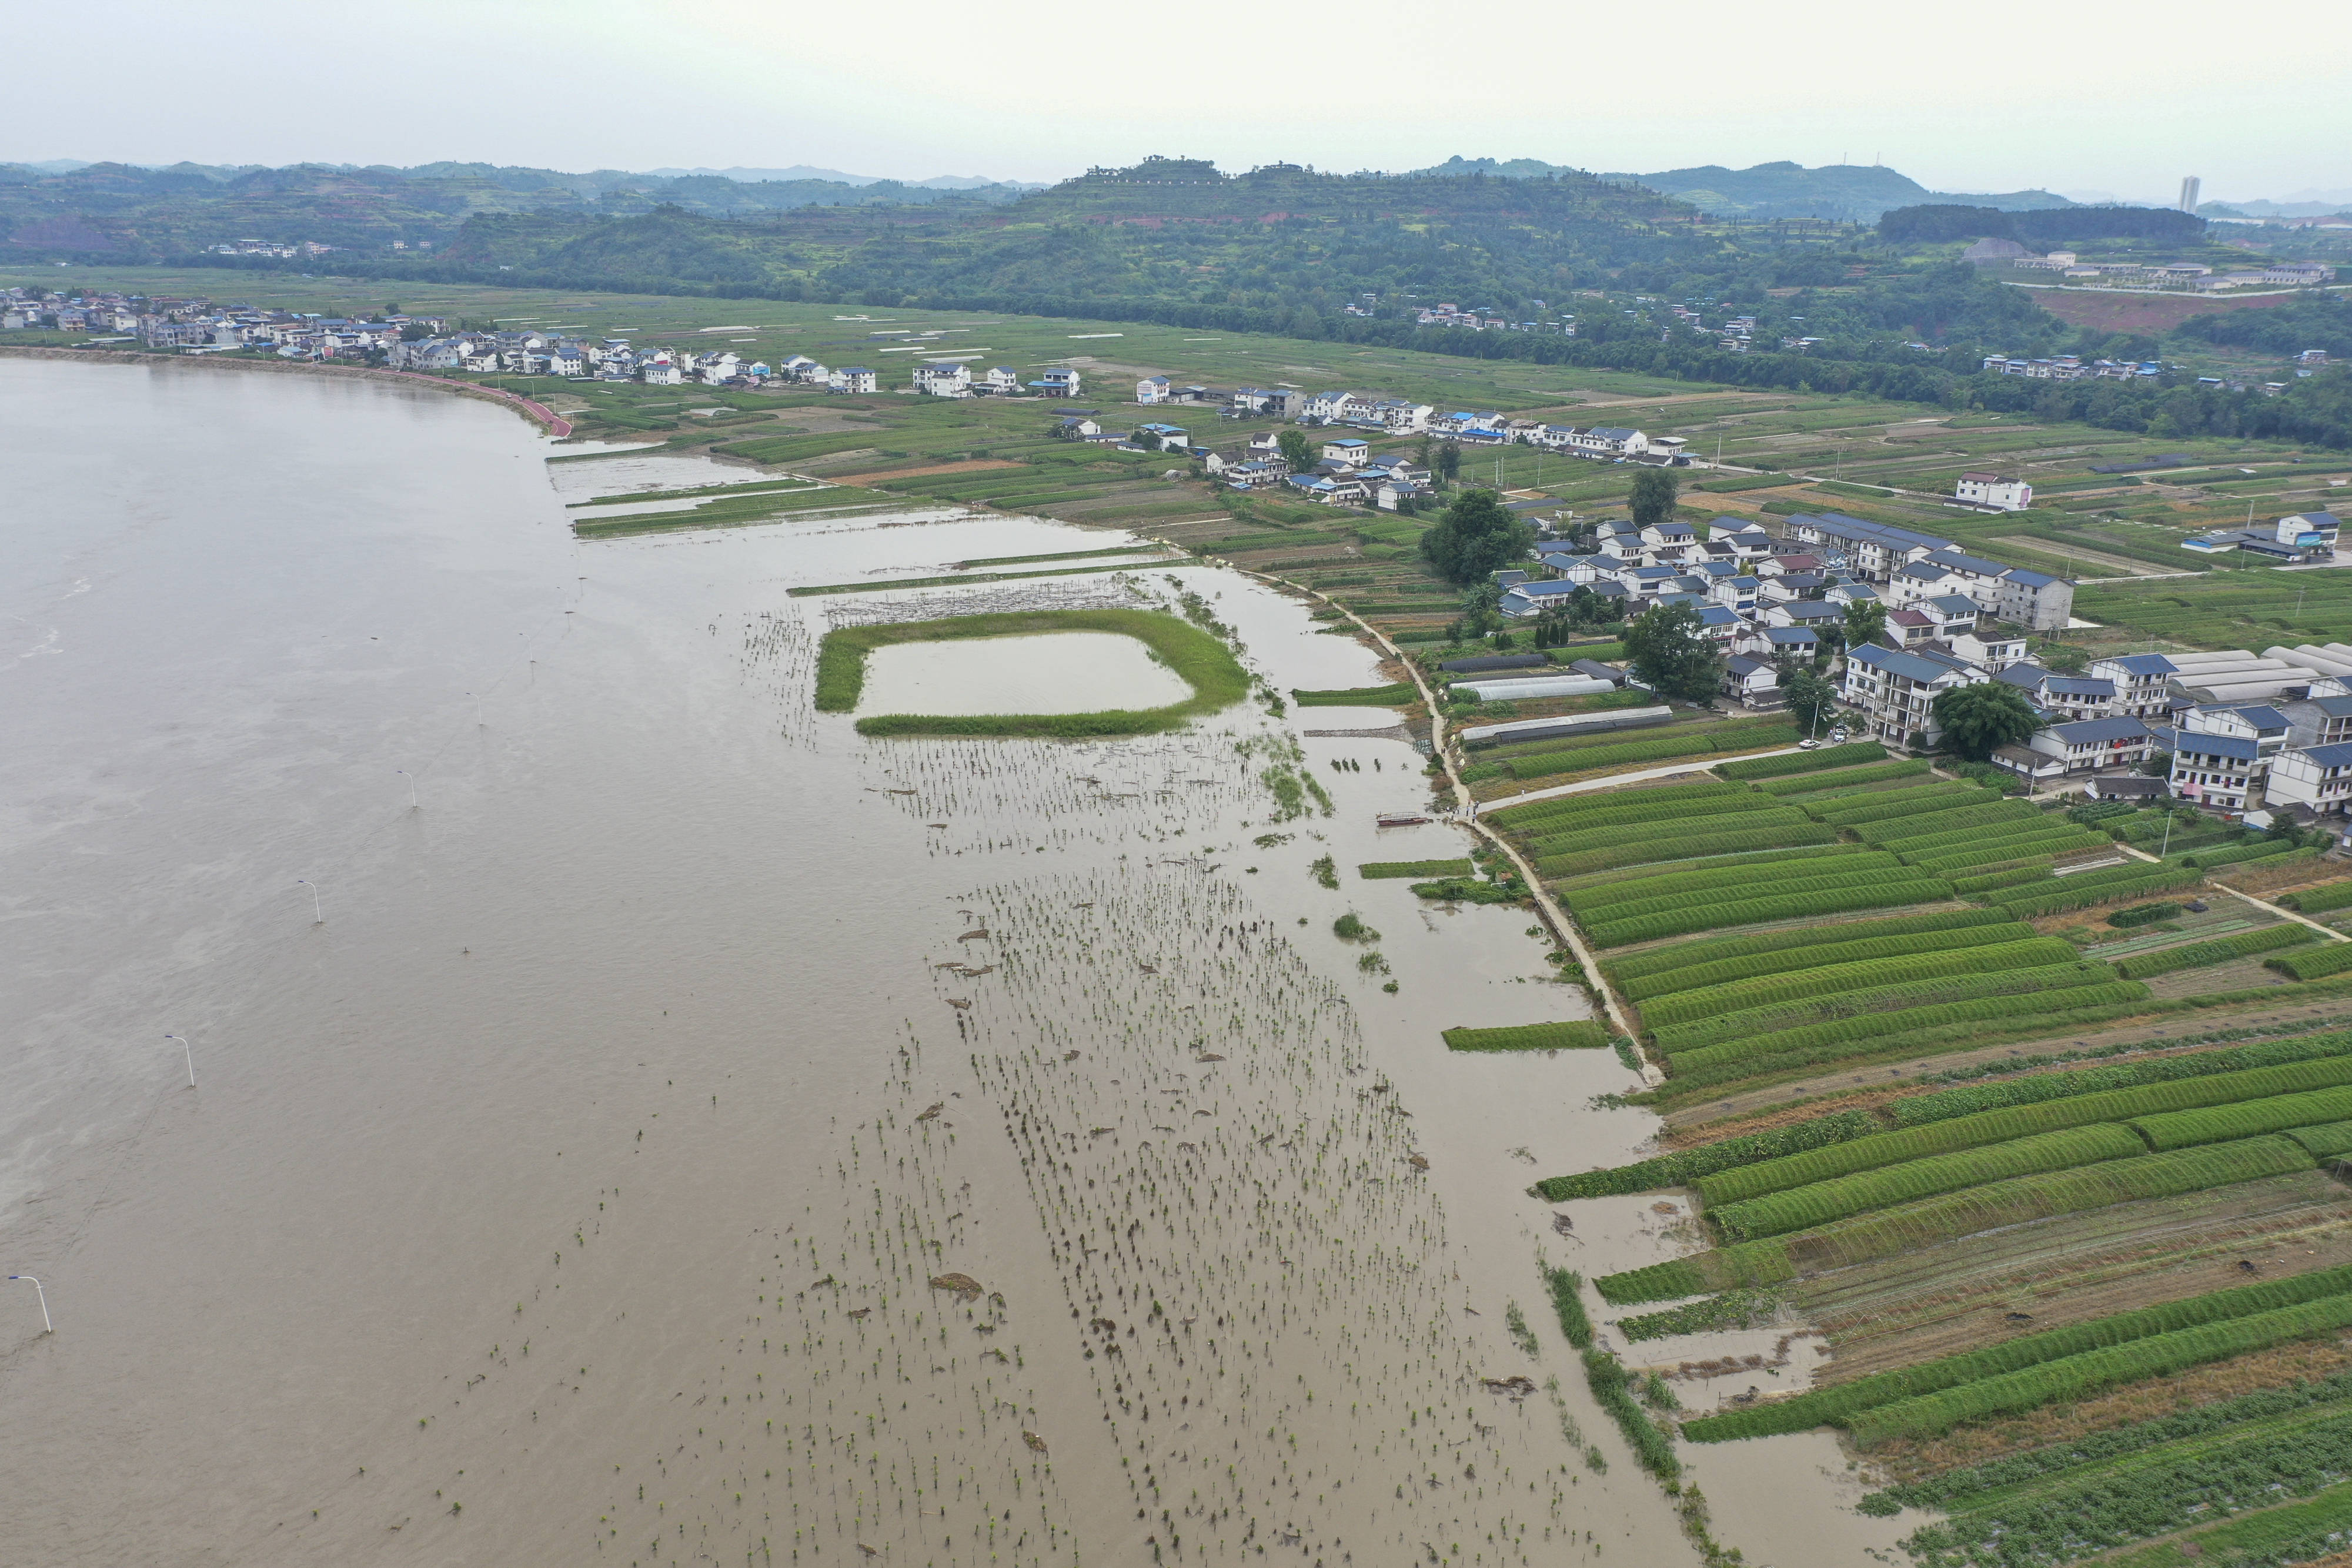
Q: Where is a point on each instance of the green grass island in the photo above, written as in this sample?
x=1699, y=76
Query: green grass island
x=1202, y=663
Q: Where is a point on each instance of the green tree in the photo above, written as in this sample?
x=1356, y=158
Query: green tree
x=1977, y=719
x=1449, y=461
x=1296, y=450
x=1865, y=620
x=1476, y=536
x=1652, y=499
x=1664, y=646
x=1811, y=699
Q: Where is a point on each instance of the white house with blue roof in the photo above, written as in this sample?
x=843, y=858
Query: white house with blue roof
x=1895, y=691
x=2316, y=777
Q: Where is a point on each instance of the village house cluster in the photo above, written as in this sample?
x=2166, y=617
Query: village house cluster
x=201, y=326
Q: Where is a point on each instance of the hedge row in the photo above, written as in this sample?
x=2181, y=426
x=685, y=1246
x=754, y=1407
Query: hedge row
x=1755, y=912
x=1714, y=948
x=2180, y=1090
x=1373, y=871
x=1515, y=817
x=2318, y=900
x=1829, y=978
x=2245, y=1119
x=1835, y=1404
x=2332, y=959
x=1659, y=884
x=1804, y=761
x=2072, y=1377
x=2016, y=1201
x=2079, y=892
x=1731, y=738
x=1692, y=976
x=1851, y=1015
x=1806, y=784
x=1778, y=835
x=1678, y=1169
x=1572, y=1034
x=2285, y=934
x=1801, y=1208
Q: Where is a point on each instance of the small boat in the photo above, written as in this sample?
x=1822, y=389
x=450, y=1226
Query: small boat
x=1402, y=818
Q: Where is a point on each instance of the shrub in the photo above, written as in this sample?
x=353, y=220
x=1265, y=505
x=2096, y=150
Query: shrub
x=1765, y=1031
x=1374, y=870
x=1827, y=901
x=1679, y=1169
x=2285, y=934
x=2072, y=1377
x=1708, y=951
x=1572, y=1034
x=1799, y=1208
x=2318, y=900
x=1833, y=979
x=1692, y=976
x=2313, y=962
x=1843, y=778
x=1835, y=1404
x=1803, y=761
x=2143, y=915
x=2021, y=1117
x=1774, y=835
x=2243, y=1118
x=1564, y=1285
x=1607, y=1377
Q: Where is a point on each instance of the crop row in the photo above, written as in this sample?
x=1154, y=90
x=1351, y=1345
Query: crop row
x=2028, y=821
x=1803, y=761
x=1692, y=976
x=2000, y=1123
x=1803, y=1208
x=1667, y=847
x=1844, y=778
x=2033, y=870
x=1572, y=1034
x=1637, y=812
x=1923, y=800
x=1753, y=912
x=1831, y=979
x=2244, y=1118
x=2262, y=940
x=1679, y=1169
x=2073, y=1377
x=1730, y=737
x=1713, y=864
x=2007, y=853
x=2314, y=962
x=1595, y=899
x=1967, y=813
x=2081, y=890
x=2261, y=849
x=2327, y=1141
x=2299, y=1532
x=1514, y=818
x=1746, y=883
x=2318, y=900
x=1708, y=952
x=1834, y=1038
x=1646, y=829
x=1837, y=1405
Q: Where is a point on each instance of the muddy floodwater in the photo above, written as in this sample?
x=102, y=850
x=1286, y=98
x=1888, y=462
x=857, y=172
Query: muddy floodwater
x=684, y=1131
x=1059, y=672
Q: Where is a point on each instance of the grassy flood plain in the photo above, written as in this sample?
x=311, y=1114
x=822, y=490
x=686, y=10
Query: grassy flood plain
x=1205, y=664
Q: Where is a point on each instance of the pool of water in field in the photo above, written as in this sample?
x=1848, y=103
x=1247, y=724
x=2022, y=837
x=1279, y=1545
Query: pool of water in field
x=1055, y=672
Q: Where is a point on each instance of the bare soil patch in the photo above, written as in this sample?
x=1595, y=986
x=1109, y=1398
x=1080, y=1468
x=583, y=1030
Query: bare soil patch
x=968, y=467
x=2141, y=312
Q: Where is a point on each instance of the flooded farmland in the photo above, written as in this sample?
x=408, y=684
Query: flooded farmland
x=684, y=1130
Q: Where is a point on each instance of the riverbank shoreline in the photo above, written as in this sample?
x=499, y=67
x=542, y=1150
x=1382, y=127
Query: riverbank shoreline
x=555, y=425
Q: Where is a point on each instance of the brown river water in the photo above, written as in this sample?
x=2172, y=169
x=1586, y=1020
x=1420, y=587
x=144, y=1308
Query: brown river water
x=572, y=1192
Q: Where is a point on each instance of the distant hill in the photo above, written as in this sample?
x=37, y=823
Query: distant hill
x=1841, y=193
x=802, y=171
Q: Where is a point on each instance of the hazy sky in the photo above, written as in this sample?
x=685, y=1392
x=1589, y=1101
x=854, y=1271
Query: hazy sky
x=2000, y=95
